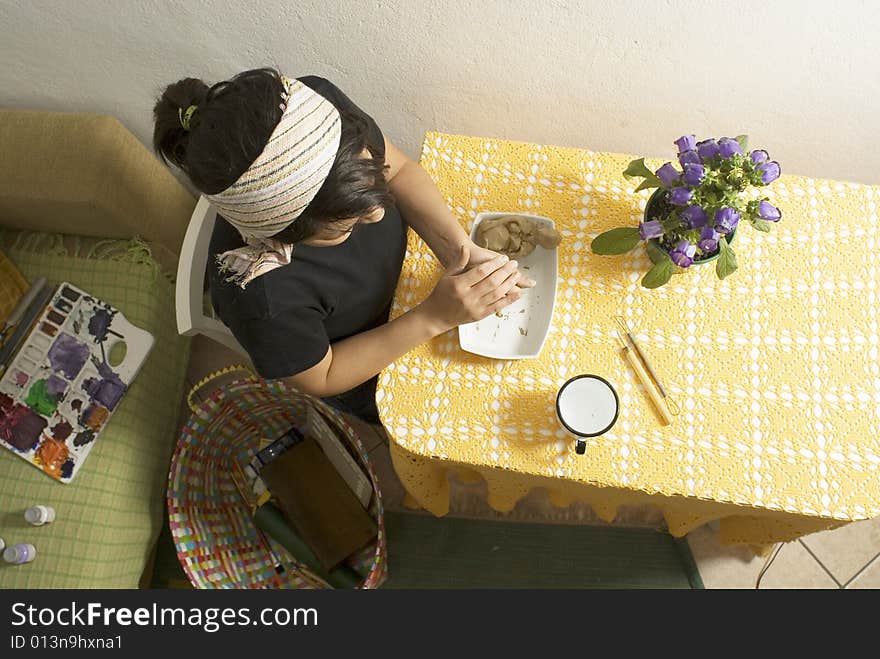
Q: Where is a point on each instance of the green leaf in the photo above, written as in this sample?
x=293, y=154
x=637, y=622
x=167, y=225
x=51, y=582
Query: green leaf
x=637, y=168
x=649, y=182
x=760, y=225
x=655, y=253
x=726, y=263
x=659, y=274
x=616, y=241
x=743, y=142
x=671, y=222
x=691, y=235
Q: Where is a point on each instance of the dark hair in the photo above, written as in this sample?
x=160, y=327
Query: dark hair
x=229, y=130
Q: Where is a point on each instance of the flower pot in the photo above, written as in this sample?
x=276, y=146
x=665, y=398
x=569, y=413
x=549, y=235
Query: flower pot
x=654, y=210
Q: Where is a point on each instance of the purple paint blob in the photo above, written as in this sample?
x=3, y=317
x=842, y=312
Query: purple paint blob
x=67, y=468
x=21, y=427
x=55, y=385
x=11, y=416
x=99, y=323
x=27, y=433
x=21, y=378
x=108, y=390
x=68, y=356
x=61, y=430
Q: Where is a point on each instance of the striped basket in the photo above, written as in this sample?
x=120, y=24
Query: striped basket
x=212, y=527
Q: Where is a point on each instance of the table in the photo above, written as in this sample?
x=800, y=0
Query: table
x=776, y=368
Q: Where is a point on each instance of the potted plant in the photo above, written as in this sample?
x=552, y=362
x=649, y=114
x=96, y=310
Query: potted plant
x=694, y=214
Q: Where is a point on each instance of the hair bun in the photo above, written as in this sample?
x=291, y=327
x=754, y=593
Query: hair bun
x=176, y=117
x=213, y=134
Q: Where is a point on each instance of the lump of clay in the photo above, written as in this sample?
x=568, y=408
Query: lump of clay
x=547, y=237
x=495, y=238
x=515, y=235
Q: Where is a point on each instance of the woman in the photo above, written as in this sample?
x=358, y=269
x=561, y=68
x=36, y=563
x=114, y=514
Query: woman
x=314, y=204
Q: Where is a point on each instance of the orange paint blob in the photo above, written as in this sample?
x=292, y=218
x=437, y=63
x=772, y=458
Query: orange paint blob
x=52, y=454
x=95, y=416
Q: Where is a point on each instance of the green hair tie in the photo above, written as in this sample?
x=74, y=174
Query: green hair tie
x=186, y=116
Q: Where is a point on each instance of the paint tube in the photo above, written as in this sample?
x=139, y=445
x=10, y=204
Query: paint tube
x=39, y=515
x=21, y=553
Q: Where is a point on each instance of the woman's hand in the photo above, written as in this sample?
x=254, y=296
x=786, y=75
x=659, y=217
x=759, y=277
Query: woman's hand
x=480, y=255
x=468, y=294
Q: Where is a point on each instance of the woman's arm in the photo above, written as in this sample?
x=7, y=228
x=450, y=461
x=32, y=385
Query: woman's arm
x=422, y=205
x=426, y=211
x=356, y=359
x=459, y=297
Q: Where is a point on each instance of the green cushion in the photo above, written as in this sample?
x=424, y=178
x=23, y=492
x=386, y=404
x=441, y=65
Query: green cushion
x=109, y=517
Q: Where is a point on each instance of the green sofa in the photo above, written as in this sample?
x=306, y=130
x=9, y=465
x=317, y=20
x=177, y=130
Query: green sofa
x=84, y=201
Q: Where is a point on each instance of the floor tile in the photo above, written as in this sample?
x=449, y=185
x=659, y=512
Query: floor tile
x=794, y=567
x=723, y=566
x=869, y=578
x=846, y=550
x=737, y=567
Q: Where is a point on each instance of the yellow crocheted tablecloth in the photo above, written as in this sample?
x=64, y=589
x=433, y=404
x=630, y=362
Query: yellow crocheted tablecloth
x=776, y=368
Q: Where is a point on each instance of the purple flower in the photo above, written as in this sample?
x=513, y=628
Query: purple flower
x=769, y=171
x=683, y=254
x=668, y=174
x=693, y=174
x=759, y=156
x=708, y=240
x=691, y=156
x=680, y=196
x=767, y=211
x=707, y=149
x=726, y=219
x=729, y=146
x=651, y=229
x=695, y=217
x=686, y=143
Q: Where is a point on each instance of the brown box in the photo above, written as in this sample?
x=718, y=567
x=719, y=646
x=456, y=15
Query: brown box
x=318, y=503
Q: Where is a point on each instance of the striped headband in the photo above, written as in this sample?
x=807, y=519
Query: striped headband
x=280, y=183
x=287, y=175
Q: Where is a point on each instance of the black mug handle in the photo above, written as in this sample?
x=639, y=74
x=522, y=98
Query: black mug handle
x=581, y=447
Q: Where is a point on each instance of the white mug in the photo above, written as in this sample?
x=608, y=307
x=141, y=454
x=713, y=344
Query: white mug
x=587, y=405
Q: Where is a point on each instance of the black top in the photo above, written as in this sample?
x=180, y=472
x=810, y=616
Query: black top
x=287, y=318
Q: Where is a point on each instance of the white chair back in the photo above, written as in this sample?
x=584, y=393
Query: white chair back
x=192, y=316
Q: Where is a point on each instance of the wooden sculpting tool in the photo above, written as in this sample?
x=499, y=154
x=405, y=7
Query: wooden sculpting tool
x=673, y=408
x=653, y=394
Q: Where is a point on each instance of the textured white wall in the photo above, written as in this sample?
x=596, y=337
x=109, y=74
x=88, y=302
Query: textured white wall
x=802, y=78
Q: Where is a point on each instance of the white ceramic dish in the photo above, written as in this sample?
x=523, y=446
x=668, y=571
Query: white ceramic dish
x=520, y=331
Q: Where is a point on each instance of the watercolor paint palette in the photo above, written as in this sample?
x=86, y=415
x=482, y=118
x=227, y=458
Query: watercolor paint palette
x=67, y=379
